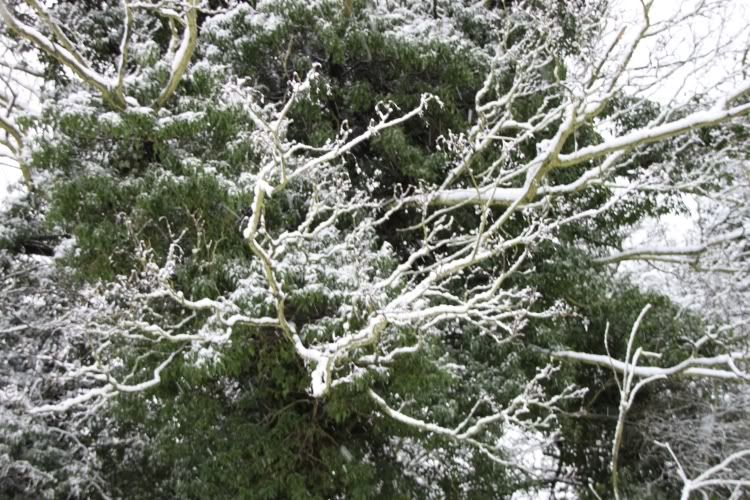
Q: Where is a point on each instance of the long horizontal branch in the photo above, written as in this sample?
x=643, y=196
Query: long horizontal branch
x=107, y=390
x=671, y=254
x=506, y=196
x=691, y=367
x=649, y=135
x=490, y=195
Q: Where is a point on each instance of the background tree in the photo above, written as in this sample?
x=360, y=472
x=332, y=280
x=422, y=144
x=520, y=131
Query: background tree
x=313, y=253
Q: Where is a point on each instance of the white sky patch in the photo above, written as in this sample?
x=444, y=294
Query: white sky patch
x=8, y=176
x=10, y=172
x=676, y=71
x=670, y=61
x=528, y=449
x=670, y=230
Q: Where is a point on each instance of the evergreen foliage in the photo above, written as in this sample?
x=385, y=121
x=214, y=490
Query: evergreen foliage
x=142, y=214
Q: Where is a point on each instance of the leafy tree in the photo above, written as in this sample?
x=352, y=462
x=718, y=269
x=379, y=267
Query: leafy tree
x=358, y=249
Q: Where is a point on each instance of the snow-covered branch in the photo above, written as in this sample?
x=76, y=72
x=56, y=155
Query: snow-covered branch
x=689, y=254
x=60, y=47
x=711, y=477
x=354, y=241
x=722, y=367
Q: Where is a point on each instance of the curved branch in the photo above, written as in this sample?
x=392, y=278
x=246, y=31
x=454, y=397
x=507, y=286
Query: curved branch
x=184, y=53
x=66, y=57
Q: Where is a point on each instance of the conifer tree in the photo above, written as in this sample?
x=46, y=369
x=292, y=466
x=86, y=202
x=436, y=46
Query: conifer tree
x=349, y=250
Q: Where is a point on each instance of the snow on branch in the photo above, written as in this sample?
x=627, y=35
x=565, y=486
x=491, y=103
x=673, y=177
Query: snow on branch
x=699, y=119
x=592, y=90
x=517, y=413
x=181, y=58
x=20, y=86
x=722, y=367
x=714, y=476
x=688, y=254
x=61, y=48
x=551, y=127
